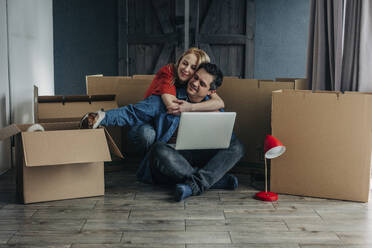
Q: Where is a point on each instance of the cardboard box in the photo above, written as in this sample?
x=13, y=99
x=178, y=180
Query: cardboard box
x=73, y=108
x=62, y=162
x=126, y=89
x=148, y=77
x=250, y=98
x=328, y=140
x=301, y=83
x=69, y=108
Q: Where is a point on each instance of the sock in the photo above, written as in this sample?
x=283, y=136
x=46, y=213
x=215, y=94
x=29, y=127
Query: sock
x=182, y=192
x=228, y=181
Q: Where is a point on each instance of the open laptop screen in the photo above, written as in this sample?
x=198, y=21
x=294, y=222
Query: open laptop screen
x=205, y=130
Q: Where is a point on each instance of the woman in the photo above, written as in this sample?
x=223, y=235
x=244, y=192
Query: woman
x=165, y=83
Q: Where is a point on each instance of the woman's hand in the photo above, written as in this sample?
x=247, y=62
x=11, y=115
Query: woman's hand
x=173, y=109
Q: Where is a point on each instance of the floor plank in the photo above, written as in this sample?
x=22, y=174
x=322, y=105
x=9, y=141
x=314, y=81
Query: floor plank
x=134, y=225
x=285, y=237
x=177, y=237
x=177, y=214
x=223, y=225
x=48, y=237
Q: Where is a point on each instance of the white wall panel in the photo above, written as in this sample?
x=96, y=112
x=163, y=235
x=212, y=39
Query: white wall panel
x=30, y=25
x=365, y=61
x=4, y=88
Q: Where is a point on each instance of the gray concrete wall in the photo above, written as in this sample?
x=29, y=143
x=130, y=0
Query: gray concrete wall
x=85, y=42
x=281, y=38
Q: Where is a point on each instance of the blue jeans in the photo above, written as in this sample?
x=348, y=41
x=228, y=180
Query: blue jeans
x=200, y=169
x=142, y=137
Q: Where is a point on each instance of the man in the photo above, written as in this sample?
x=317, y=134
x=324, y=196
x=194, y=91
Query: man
x=193, y=171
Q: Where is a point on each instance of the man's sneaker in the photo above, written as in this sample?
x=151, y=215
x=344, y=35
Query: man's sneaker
x=92, y=120
x=182, y=192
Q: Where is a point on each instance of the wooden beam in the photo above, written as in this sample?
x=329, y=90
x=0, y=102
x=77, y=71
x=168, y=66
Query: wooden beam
x=197, y=23
x=209, y=23
x=187, y=25
x=152, y=39
x=162, y=10
x=164, y=57
x=249, y=44
x=123, y=60
x=223, y=39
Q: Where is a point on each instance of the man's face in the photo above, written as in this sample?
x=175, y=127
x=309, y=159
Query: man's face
x=199, y=85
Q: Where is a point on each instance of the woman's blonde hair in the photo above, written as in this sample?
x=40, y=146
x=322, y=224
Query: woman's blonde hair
x=201, y=56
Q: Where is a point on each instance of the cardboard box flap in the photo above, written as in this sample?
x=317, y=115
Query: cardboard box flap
x=72, y=108
x=51, y=126
x=65, y=147
x=77, y=98
x=9, y=131
x=113, y=147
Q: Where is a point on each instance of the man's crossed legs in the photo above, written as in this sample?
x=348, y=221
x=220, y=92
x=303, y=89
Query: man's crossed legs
x=195, y=171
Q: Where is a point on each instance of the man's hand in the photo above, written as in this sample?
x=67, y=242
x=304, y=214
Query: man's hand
x=183, y=106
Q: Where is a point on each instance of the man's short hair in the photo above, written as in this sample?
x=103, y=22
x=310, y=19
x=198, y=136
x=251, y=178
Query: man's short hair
x=215, y=72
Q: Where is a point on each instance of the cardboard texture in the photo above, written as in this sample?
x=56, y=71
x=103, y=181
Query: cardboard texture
x=126, y=89
x=60, y=163
x=250, y=98
x=328, y=140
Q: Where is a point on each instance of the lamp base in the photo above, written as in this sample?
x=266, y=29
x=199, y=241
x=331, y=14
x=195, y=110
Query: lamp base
x=267, y=196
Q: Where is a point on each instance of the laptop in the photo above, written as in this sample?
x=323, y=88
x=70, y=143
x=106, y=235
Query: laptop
x=205, y=130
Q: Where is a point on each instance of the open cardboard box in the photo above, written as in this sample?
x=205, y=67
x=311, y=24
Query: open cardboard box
x=328, y=139
x=72, y=108
x=62, y=162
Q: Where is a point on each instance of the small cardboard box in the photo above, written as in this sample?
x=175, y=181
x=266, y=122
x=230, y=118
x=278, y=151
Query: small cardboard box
x=73, y=108
x=62, y=162
x=328, y=140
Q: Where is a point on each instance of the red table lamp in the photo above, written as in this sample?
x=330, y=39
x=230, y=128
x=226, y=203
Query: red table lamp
x=273, y=148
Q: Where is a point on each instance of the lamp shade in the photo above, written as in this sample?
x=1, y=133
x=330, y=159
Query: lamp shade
x=273, y=147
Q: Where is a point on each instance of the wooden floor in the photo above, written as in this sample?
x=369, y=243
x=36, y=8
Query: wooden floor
x=132, y=214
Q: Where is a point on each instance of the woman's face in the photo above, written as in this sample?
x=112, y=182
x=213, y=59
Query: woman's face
x=187, y=67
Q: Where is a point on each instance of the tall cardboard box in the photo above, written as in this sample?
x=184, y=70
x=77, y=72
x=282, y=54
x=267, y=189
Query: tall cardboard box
x=328, y=140
x=62, y=162
x=251, y=99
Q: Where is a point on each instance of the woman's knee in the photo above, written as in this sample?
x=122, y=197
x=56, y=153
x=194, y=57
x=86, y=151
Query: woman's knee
x=147, y=134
